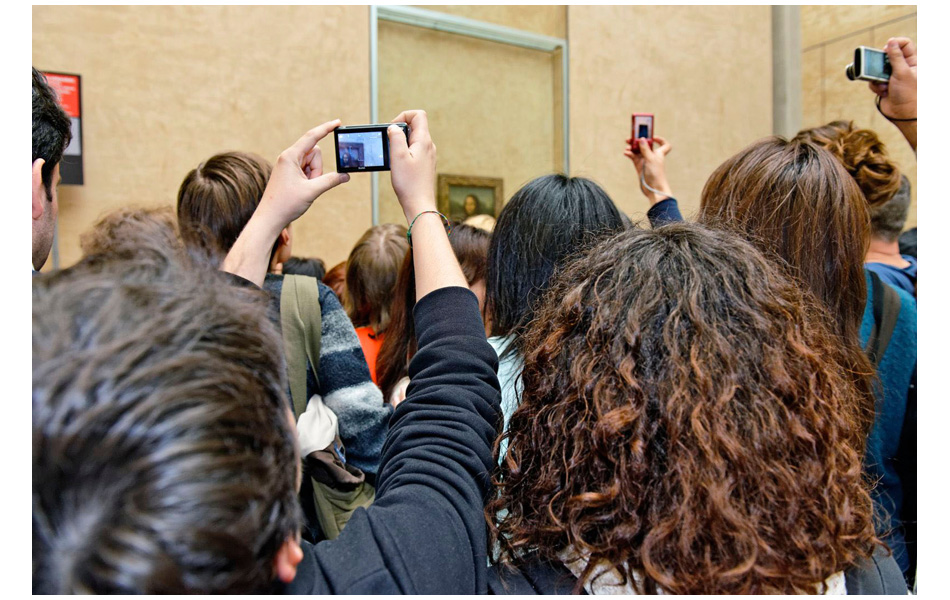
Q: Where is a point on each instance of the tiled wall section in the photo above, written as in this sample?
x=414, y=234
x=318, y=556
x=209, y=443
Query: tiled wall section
x=829, y=36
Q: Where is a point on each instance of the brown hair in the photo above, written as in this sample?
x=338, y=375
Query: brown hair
x=470, y=245
x=164, y=458
x=684, y=416
x=335, y=279
x=371, y=272
x=863, y=155
x=124, y=231
x=796, y=203
x=217, y=199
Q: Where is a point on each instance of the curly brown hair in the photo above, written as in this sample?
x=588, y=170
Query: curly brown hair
x=684, y=417
x=862, y=153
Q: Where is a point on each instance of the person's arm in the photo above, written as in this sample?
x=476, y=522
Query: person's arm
x=296, y=181
x=426, y=533
x=898, y=97
x=651, y=170
x=347, y=389
x=651, y=167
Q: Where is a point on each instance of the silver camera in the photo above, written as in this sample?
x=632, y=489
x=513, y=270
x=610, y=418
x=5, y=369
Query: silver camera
x=869, y=65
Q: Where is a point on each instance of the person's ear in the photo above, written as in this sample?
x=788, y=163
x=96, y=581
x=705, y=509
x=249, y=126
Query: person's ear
x=39, y=190
x=285, y=237
x=288, y=557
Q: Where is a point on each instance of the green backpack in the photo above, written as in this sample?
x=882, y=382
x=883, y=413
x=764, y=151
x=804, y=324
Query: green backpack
x=338, y=488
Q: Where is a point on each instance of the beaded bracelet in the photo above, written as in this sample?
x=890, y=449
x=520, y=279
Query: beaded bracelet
x=448, y=225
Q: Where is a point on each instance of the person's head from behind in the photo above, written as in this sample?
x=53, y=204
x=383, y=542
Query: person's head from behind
x=335, y=279
x=545, y=223
x=164, y=457
x=371, y=272
x=311, y=267
x=795, y=201
x=470, y=246
x=218, y=198
x=684, y=417
x=128, y=232
x=51, y=135
x=888, y=219
x=483, y=222
x=863, y=155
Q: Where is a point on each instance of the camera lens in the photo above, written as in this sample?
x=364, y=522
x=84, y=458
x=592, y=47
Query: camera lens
x=849, y=71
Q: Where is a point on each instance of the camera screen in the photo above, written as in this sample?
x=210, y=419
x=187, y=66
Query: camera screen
x=363, y=149
x=876, y=64
x=643, y=131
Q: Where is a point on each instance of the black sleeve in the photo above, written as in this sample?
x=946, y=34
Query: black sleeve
x=664, y=212
x=426, y=533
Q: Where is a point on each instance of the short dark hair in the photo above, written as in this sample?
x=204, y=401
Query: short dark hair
x=545, y=222
x=888, y=219
x=51, y=128
x=218, y=198
x=312, y=267
x=164, y=460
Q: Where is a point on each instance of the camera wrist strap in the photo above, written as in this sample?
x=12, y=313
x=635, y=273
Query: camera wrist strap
x=891, y=119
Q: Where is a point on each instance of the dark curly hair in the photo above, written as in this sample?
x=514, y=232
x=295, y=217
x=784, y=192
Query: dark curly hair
x=862, y=153
x=685, y=417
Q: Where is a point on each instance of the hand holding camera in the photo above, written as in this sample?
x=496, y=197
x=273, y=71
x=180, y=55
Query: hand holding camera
x=899, y=94
x=295, y=182
x=650, y=165
x=298, y=179
x=413, y=164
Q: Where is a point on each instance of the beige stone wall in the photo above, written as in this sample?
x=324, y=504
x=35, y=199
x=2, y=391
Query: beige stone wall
x=166, y=87
x=829, y=36
x=705, y=72
x=546, y=20
x=491, y=107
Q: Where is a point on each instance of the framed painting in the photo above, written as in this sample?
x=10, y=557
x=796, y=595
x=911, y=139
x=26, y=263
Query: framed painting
x=464, y=196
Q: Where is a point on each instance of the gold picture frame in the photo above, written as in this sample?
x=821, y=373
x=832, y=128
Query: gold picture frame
x=454, y=192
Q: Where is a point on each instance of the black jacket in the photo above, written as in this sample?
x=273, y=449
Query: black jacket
x=425, y=533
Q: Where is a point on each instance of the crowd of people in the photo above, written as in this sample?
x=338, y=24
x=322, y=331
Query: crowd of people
x=560, y=401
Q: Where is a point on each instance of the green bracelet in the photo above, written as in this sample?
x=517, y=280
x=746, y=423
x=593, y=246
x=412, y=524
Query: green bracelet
x=448, y=225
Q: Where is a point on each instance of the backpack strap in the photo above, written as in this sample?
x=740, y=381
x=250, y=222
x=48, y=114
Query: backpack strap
x=886, y=306
x=300, y=323
x=876, y=576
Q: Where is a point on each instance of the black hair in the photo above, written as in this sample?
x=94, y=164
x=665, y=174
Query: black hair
x=546, y=222
x=51, y=128
x=312, y=267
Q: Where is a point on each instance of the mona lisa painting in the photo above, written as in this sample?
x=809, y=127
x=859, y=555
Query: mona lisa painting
x=464, y=196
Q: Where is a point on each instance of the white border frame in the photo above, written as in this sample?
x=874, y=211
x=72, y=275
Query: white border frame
x=430, y=19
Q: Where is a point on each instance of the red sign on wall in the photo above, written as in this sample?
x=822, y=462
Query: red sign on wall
x=68, y=86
